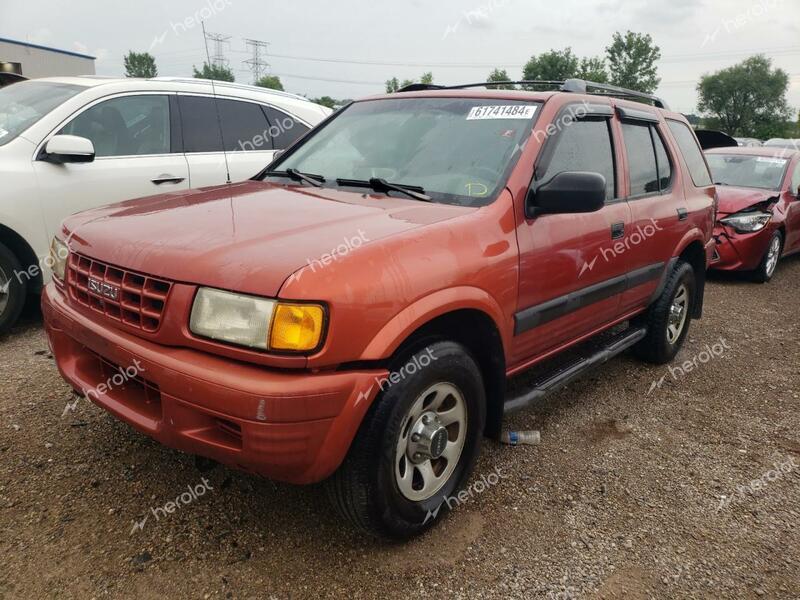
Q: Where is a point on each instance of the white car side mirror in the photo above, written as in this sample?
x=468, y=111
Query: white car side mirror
x=69, y=149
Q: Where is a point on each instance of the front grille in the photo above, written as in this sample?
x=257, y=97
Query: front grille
x=131, y=298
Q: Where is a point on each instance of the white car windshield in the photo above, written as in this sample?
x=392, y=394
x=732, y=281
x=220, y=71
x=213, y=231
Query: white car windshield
x=458, y=150
x=23, y=104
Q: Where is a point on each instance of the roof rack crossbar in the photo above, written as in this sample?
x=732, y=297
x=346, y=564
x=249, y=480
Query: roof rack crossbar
x=575, y=86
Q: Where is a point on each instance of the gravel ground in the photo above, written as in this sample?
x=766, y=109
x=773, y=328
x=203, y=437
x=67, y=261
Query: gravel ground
x=635, y=493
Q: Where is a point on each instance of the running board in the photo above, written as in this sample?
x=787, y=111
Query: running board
x=576, y=368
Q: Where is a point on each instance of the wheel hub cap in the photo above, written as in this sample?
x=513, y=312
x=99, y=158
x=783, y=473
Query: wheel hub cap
x=428, y=439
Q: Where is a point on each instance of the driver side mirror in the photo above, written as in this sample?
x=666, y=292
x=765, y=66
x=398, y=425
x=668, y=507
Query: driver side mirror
x=569, y=192
x=63, y=149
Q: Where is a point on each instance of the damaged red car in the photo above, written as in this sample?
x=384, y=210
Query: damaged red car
x=759, y=208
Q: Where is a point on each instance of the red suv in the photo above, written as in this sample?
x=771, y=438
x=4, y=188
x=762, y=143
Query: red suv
x=759, y=208
x=355, y=311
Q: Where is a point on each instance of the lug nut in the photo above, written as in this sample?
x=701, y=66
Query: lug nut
x=415, y=437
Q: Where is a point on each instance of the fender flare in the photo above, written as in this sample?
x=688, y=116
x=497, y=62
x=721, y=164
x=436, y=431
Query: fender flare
x=427, y=308
x=692, y=236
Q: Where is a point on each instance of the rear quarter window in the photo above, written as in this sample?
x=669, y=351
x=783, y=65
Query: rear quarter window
x=692, y=154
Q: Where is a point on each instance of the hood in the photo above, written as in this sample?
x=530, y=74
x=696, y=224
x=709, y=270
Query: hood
x=735, y=199
x=248, y=237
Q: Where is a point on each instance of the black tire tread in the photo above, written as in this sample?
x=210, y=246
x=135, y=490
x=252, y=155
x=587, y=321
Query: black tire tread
x=654, y=348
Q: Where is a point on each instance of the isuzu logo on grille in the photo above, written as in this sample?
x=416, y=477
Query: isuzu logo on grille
x=103, y=289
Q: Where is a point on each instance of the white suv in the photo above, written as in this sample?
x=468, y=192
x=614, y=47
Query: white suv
x=72, y=143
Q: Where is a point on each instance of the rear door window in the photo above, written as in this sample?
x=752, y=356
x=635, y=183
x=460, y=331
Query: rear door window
x=244, y=126
x=692, y=154
x=663, y=159
x=642, y=164
x=200, y=123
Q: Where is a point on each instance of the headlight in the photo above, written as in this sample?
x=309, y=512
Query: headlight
x=257, y=322
x=59, y=253
x=748, y=222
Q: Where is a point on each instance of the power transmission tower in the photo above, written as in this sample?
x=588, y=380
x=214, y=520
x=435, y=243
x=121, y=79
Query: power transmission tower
x=256, y=64
x=218, y=59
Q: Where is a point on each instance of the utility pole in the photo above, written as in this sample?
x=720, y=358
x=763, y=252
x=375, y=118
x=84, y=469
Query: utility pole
x=218, y=59
x=257, y=65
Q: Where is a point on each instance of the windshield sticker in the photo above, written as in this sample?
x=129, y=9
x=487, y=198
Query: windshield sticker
x=3, y=132
x=477, y=190
x=512, y=111
x=772, y=161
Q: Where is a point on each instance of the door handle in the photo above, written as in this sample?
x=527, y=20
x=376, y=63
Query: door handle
x=683, y=214
x=617, y=231
x=166, y=178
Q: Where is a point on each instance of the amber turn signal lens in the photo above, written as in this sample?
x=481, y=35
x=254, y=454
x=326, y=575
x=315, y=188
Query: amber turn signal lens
x=297, y=327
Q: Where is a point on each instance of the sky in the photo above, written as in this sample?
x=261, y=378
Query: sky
x=348, y=48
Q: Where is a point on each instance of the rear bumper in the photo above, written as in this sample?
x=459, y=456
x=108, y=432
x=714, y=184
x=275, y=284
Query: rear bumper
x=739, y=251
x=289, y=426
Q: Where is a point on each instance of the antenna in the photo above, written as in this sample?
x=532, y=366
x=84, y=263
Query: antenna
x=216, y=100
x=257, y=65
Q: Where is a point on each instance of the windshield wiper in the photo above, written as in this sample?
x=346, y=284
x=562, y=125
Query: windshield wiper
x=381, y=185
x=294, y=174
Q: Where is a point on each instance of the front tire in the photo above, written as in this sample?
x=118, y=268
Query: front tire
x=13, y=289
x=769, y=264
x=417, y=445
x=668, y=319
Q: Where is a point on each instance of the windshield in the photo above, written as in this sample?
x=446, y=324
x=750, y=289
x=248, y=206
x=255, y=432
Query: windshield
x=24, y=103
x=763, y=172
x=458, y=150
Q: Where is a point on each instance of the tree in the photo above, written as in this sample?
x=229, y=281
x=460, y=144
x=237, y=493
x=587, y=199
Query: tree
x=593, y=69
x=326, y=101
x=555, y=65
x=393, y=85
x=499, y=75
x=747, y=99
x=272, y=82
x=140, y=64
x=216, y=72
x=632, y=61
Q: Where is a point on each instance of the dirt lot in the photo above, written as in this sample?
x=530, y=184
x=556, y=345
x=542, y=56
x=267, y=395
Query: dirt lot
x=688, y=490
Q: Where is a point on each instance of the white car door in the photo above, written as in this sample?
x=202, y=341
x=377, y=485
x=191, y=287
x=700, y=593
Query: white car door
x=241, y=127
x=133, y=137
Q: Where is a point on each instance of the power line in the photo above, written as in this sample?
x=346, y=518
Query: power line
x=676, y=58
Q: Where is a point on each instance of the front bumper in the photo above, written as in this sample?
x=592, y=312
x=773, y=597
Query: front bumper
x=288, y=426
x=740, y=251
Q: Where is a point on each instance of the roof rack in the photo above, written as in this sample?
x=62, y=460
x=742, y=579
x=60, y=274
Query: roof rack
x=229, y=84
x=574, y=86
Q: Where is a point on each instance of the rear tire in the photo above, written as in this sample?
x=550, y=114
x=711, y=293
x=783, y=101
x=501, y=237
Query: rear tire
x=416, y=446
x=668, y=318
x=769, y=264
x=13, y=289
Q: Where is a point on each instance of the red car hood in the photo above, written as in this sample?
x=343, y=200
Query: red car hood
x=735, y=199
x=249, y=237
